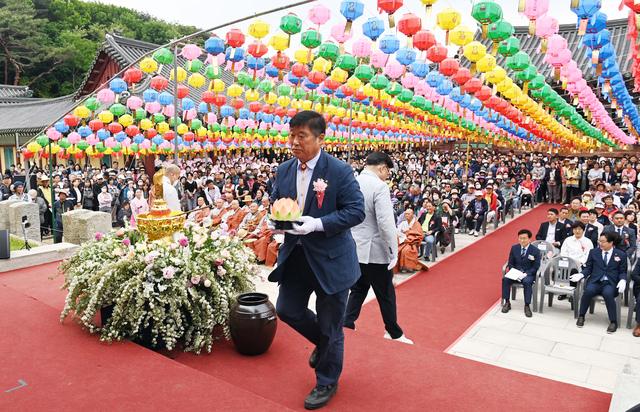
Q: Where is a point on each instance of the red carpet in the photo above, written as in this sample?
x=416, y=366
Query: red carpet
x=67, y=369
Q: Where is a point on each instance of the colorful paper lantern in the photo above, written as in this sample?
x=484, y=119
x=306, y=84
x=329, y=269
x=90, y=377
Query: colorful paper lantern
x=447, y=20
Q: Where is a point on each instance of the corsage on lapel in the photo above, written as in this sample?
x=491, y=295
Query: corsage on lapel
x=319, y=186
x=616, y=258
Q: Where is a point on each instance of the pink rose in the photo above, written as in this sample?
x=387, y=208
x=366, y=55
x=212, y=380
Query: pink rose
x=126, y=241
x=195, y=279
x=168, y=272
x=99, y=236
x=120, y=232
x=219, y=262
x=183, y=241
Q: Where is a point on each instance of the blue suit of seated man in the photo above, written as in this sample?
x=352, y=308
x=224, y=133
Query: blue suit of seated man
x=525, y=258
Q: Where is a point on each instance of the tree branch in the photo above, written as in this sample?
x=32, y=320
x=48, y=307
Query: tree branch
x=51, y=69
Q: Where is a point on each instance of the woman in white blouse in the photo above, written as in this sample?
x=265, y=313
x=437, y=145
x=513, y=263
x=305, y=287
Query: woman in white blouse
x=577, y=247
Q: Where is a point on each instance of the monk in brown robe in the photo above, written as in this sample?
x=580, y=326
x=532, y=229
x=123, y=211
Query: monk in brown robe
x=409, y=237
x=218, y=212
x=234, y=217
x=249, y=225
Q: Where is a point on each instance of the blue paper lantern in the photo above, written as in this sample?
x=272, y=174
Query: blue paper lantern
x=419, y=68
x=165, y=98
x=150, y=96
x=389, y=44
x=84, y=131
x=351, y=10
x=226, y=111
x=373, y=28
x=61, y=127
x=406, y=56
x=103, y=134
x=234, y=54
x=188, y=104
x=255, y=63
x=117, y=85
x=433, y=78
x=214, y=45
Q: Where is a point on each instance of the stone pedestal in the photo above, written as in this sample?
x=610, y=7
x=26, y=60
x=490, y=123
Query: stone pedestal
x=17, y=211
x=4, y=214
x=88, y=224
x=71, y=232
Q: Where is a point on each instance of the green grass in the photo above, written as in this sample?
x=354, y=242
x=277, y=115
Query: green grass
x=17, y=243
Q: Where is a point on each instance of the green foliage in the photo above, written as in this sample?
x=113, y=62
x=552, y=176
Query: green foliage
x=49, y=45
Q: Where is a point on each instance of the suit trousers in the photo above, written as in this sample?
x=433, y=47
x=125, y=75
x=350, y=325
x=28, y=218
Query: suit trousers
x=380, y=279
x=607, y=291
x=527, y=284
x=636, y=293
x=323, y=329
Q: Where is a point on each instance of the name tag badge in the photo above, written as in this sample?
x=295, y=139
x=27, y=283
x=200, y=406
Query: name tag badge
x=616, y=258
x=531, y=257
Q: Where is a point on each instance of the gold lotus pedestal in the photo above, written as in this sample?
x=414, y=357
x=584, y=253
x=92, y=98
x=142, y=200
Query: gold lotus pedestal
x=161, y=221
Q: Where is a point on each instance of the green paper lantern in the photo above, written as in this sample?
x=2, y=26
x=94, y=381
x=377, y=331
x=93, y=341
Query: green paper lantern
x=194, y=66
x=527, y=74
x=42, y=140
x=117, y=109
x=82, y=145
x=284, y=90
x=158, y=118
x=364, y=72
x=92, y=104
x=500, y=30
x=379, y=82
x=196, y=124
x=291, y=24
x=212, y=72
x=265, y=86
x=509, y=47
x=116, y=148
x=394, y=89
x=299, y=93
x=311, y=39
x=64, y=143
x=329, y=51
x=100, y=147
x=140, y=114
x=537, y=82
x=486, y=12
x=518, y=61
x=405, y=96
x=163, y=56
x=134, y=148
x=346, y=62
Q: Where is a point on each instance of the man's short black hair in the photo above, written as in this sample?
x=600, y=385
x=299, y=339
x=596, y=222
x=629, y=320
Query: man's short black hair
x=313, y=120
x=577, y=224
x=378, y=158
x=553, y=210
x=525, y=232
x=610, y=236
x=583, y=212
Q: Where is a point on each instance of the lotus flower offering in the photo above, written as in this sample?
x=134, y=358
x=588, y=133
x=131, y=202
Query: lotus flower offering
x=284, y=212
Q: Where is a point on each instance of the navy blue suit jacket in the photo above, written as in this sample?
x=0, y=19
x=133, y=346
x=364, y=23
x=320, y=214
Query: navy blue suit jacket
x=332, y=253
x=615, y=270
x=529, y=264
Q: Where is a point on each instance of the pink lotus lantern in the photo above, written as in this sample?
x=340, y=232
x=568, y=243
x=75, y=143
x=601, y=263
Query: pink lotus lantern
x=106, y=96
x=153, y=107
x=169, y=110
x=361, y=48
x=53, y=134
x=92, y=139
x=546, y=27
x=409, y=80
x=191, y=52
x=146, y=144
x=534, y=9
x=394, y=69
x=74, y=138
x=134, y=102
x=319, y=14
x=339, y=33
x=378, y=59
x=110, y=142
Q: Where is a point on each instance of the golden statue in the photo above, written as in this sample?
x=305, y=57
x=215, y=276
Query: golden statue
x=160, y=221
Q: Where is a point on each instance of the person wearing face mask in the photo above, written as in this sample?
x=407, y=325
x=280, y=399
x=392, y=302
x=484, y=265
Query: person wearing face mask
x=104, y=200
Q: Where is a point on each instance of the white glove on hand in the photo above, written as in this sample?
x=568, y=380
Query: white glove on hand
x=308, y=225
x=272, y=228
x=622, y=286
x=577, y=277
x=393, y=263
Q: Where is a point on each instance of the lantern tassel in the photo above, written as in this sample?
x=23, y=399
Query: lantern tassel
x=392, y=22
x=532, y=27
x=595, y=54
x=347, y=27
x=484, y=30
x=582, y=28
x=543, y=46
x=494, y=49
x=556, y=73
x=574, y=3
x=599, y=69
x=446, y=38
x=521, y=6
x=525, y=88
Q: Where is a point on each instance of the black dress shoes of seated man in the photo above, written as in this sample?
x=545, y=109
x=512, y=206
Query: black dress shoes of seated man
x=613, y=326
x=507, y=307
x=320, y=396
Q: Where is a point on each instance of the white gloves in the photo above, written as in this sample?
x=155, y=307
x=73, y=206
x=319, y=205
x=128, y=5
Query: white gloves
x=622, y=285
x=393, y=263
x=577, y=277
x=309, y=224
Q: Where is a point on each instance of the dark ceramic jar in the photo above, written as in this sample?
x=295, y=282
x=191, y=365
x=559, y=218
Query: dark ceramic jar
x=253, y=323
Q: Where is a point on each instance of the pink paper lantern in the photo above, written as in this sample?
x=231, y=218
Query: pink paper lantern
x=53, y=134
x=534, y=9
x=409, y=81
x=378, y=59
x=339, y=33
x=546, y=26
x=134, y=102
x=556, y=43
x=319, y=14
x=153, y=107
x=210, y=118
x=110, y=142
x=189, y=114
x=126, y=142
x=191, y=52
x=106, y=96
x=92, y=139
x=361, y=48
x=168, y=110
x=393, y=69
x=146, y=144
x=74, y=138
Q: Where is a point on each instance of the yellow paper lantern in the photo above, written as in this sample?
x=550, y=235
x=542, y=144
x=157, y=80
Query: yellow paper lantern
x=270, y=98
x=341, y=112
x=201, y=132
x=251, y=95
x=279, y=42
x=461, y=35
x=217, y=86
x=235, y=90
x=303, y=56
x=258, y=29
x=354, y=83
x=162, y=127
x=196, y=80
x=146, y=124
x=321, y=65
x=504, y=85
x=486, y=63
x=296, y=104
x=512, y=92
x=148, y=65
x=283, y=101
x=105, y=116
x=82, y=112
x=182, y=74
x=90, y=151
x=182, y=129
x=125, y=120
x=339, y=75
x=496, y=75
x=448, y=19
x=307, y=104
x=33, y=147
x=474, y=51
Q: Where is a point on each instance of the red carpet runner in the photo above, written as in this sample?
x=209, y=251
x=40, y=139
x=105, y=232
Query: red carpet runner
x=67, y=369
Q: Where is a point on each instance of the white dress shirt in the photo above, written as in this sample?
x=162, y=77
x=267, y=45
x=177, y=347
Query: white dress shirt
x=576, y=249
x=551, y=233
x=170, y=195
x=303, y=185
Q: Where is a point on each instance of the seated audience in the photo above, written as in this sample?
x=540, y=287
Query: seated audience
x=525, y=258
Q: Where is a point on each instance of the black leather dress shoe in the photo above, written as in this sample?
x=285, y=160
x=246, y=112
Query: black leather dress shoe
x=313, y=359
x=506, y=307
x=320, y=396
x=527, y=311
x=580, y=321
x=612, y=327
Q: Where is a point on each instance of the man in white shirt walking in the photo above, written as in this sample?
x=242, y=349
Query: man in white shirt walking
x=377, y=247
x=170, y=194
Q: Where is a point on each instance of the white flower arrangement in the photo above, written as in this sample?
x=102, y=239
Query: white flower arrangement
x=173, y=291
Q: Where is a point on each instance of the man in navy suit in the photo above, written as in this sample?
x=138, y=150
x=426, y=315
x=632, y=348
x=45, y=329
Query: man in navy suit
x=626, y=240
x=525, y=258
x=319, y=254
x=552, y=230
x=606, y=275
x=635, y=275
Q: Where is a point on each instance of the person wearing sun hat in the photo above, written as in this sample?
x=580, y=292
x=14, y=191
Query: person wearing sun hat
x=475, y=212
x=19, y=193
